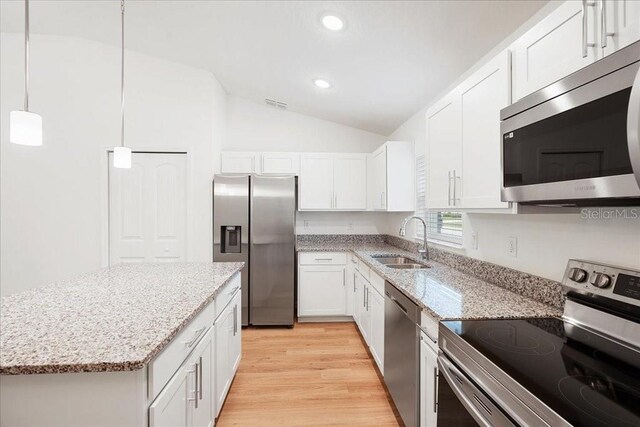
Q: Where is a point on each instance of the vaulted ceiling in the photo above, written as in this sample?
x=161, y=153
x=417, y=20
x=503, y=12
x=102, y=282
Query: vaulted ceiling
x=392, y=58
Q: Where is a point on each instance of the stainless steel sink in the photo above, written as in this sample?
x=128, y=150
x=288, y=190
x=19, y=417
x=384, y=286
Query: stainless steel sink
x=407, y=266
x=399, y=262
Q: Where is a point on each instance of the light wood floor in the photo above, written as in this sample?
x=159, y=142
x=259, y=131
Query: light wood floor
x=316, y=374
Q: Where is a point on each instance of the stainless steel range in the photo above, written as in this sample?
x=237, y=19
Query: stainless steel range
x=582, y=369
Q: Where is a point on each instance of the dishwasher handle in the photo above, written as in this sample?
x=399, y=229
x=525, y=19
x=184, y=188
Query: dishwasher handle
x=397, y=303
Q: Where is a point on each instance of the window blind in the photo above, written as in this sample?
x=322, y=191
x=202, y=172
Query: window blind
x=445, y=226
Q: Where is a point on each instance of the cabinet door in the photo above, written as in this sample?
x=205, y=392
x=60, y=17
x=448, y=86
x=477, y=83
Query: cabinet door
x=224, y=327
x=428, y=384
x=444, y=151
x=322, y=291
x=482, y=96
x=358, y=299
x=237, y=162
x=201, y=365
x=365, y=314
x=376, y=309
x=379, y=179
x=280, y=163
x=622, y=24
x=350, y=181
x=236, y=336
x=350, y=287
x=171, y=407
x=553, y=48
x=316, y=182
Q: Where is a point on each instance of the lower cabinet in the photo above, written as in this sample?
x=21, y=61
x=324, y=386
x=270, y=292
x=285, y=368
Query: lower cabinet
x=322, y=285
x=187, y=400
x=228, y=348
x=368, y=313
x=428, y=382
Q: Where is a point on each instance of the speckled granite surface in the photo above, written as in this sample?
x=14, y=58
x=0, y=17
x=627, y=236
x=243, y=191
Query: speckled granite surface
x=116, y=319
x=442, y=290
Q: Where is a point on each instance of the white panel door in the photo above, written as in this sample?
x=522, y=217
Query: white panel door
x=280, y=163
x=428, y=384
x=483, y=95
x=444, y=157
x=350, y=181
x=316, y=181
x=224, y=327
x=201, y=365
x=322, y=290
x=236, y=337
x=376, y=340
x=553, y=48
x=239, y=162
x=171, y=407
x=622, y=24
x=365, y=314
x=379, y=178
x=147, y=209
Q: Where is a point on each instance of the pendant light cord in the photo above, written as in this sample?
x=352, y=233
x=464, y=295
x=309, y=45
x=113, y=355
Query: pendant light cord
x=122, y=78
x=26, y=55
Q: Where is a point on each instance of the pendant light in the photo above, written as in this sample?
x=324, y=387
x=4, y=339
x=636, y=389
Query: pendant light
x=25, y=127
x=122, y=154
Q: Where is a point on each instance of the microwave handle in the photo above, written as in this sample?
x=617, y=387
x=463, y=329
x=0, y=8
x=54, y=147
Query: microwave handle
x=633, y=127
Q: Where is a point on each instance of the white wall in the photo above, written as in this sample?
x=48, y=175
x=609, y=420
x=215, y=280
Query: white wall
x=259, y=127
x=51, y=202
x=545, y=241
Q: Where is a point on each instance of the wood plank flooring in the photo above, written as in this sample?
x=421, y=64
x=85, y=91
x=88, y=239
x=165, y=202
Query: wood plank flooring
x=316, y=374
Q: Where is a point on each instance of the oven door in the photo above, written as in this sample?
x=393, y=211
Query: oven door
x=578, y=144
x=461, y=403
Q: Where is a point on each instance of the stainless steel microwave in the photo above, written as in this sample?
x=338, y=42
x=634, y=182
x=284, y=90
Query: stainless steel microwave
x=576, y=142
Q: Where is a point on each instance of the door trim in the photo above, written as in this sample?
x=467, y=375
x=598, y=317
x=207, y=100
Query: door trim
x=104, y=198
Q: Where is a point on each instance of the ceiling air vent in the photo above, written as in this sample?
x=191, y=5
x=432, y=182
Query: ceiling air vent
x=277, y=104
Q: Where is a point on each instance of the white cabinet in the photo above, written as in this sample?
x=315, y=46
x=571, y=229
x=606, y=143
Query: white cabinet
x=333, y=181
x=444, y=145
x=482, y=96
x=322, y=290
x=316, y=181
x=228, y=346
x=428, y=382
x=358, y=299
x=186, y=401
x=350, y=181
x=375, y=306
x=280, y=163
x=621, y=24
x=239, y=162
x=391, y=177
x=555, y=47
x=352, y=262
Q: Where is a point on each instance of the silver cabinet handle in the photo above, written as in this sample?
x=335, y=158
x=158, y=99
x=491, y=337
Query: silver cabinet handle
x=235, y=320
x=197, y=383
x=324, y=259
x=344, y=277
x=633, y=127
x=449, y=189
x=233, y=291
x=585, y=44
x=200, y=376
x=435, y=389
x=195, y=337
x=603, y=25
x=354, y=282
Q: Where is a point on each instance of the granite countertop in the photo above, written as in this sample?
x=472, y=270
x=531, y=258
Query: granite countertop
x=115, y=319
x=442, y=291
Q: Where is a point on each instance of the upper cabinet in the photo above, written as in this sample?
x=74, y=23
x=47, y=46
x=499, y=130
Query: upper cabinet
x=264, y=163
x=573, y=36
x=239, y=162
x=333, y=181
x=392, y=177
x=280, y=163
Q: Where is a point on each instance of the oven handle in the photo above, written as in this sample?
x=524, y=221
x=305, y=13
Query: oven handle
x=633, y=127
x=448, y=370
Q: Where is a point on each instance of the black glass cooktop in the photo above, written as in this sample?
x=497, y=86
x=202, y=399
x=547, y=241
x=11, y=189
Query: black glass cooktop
x=586, y=379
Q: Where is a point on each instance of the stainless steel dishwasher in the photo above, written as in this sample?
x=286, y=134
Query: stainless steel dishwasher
x=402, y=353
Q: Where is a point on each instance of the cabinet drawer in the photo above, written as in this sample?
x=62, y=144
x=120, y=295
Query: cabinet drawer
x=377, y=282
x=353, y=259
x=226, y=294
x=162, y=368
x=315, y=258
x=430, y=327
x=364, y=269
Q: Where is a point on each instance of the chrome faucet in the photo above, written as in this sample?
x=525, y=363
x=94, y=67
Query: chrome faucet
x=424, y=251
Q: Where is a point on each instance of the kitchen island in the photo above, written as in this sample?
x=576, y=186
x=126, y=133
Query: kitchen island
x=129, y=345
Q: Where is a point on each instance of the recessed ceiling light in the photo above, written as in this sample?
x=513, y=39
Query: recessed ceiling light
x=332, y=22
x=322, y=84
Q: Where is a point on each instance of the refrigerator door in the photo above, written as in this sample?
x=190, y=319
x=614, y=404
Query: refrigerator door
x=231, y=227
x=273, y=206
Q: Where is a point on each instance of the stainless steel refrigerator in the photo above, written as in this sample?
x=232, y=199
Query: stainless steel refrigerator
x=254, y=222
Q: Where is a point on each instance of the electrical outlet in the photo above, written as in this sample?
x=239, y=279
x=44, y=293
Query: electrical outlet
x=306, y=224
x=474, y=240
x=512, y=246
x=350, y=226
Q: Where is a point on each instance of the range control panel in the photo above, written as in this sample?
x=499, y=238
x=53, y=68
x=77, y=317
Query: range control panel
x=608, y=281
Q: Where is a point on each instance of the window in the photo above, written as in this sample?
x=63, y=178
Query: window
x=442, y=226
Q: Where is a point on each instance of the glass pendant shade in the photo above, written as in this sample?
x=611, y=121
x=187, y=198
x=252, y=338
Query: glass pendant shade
x=122, y=157
x=25, y=128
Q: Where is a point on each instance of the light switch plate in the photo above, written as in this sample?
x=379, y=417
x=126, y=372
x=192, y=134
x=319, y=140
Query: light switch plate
x=512, y=246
